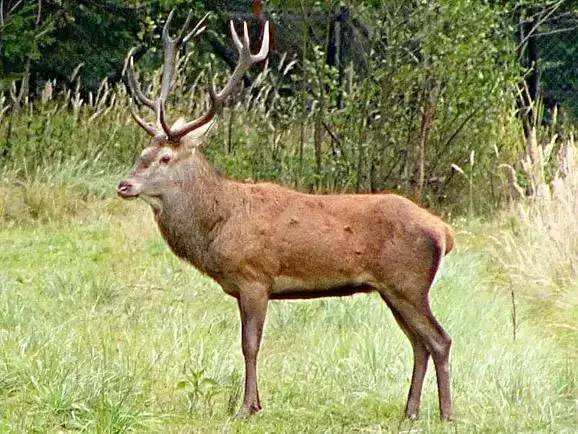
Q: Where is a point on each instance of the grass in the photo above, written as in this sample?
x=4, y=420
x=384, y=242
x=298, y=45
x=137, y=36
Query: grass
x=102, y=329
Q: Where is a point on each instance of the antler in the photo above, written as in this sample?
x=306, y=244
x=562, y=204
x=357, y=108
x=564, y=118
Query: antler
x=245, y=61
x=172, y=46
x=217, y=99
x=171, y=49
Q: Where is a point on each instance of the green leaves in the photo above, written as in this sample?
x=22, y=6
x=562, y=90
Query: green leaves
x=198, y=388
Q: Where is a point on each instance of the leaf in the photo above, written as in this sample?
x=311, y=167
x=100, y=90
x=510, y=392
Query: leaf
x=210, y=382
x=182, y=384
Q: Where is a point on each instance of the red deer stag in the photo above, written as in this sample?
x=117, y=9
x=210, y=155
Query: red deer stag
x=264, y=242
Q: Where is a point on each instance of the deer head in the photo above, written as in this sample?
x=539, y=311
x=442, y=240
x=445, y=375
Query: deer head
x=161, y=165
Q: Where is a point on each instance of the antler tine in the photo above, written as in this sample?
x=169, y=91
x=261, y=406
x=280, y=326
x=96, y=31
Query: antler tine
x=166, y=35
x=161, y=118
x=172, y=46
x=197, y=30
x=171, y=49
x=133, y=84
x=246, y=40
x=150, y=129
x=245, y=61
x=244, y=47
x=264, y=51
x=235, y=37
x=185, y=26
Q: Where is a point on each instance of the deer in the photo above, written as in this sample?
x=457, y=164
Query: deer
x=263, y=242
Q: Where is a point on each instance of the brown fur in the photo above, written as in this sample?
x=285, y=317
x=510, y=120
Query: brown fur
x=263, y=231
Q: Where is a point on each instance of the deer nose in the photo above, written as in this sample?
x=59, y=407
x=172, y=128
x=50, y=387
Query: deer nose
x=125, y=189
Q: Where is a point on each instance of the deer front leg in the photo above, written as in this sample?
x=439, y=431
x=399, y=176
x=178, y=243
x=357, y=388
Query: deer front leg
x=253, y=309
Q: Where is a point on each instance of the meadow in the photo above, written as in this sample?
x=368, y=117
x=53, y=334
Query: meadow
x=102, y=329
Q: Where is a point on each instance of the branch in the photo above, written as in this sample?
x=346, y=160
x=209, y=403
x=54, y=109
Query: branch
x=539, y=23
x=553, y=32
x=332, y=134
x=3, y=16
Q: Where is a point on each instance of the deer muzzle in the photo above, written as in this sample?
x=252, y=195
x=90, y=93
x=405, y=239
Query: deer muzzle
x=128, y=189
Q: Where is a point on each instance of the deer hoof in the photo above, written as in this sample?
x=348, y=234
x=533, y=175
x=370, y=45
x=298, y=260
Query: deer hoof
x=412, y=415
x=248, y=410
x=447, y=418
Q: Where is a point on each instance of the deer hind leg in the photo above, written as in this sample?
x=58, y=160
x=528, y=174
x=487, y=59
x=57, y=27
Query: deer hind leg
x=420, y=361
x=418, y=318
x=253, y=309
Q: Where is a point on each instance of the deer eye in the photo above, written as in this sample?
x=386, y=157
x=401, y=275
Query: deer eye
x=165, y=159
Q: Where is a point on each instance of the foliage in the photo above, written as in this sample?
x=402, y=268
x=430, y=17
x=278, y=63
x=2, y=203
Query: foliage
x=22, y=38
x=316, y=126
x=72, y=33
x=559, y=52
x=428, y=53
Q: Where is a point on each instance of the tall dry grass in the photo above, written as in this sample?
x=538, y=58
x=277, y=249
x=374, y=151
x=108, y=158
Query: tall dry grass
x=539, y=249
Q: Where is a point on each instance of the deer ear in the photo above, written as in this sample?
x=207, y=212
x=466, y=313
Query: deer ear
x=194, y=138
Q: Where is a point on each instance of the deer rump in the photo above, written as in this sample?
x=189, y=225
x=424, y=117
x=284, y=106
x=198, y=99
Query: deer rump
x=307, y=246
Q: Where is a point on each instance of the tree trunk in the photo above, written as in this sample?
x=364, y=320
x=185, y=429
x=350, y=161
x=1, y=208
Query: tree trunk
x=25, y=83
x=430, y=97
x=318, y=141
x=342, y=39
x=528, y=54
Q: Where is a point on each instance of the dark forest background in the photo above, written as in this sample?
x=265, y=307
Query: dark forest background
x=423, y=97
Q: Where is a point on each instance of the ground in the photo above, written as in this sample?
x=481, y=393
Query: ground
x=102, y=329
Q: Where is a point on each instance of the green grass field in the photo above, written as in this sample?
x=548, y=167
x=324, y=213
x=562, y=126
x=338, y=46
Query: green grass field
x=102, y=329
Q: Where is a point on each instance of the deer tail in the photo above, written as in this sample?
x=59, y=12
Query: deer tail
x=441, y=245
x=449, y=239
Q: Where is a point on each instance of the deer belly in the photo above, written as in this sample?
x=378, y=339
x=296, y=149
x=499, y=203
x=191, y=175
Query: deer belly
x=287, y=287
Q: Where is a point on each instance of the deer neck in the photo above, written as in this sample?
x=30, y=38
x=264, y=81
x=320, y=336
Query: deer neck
x=193, y=212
